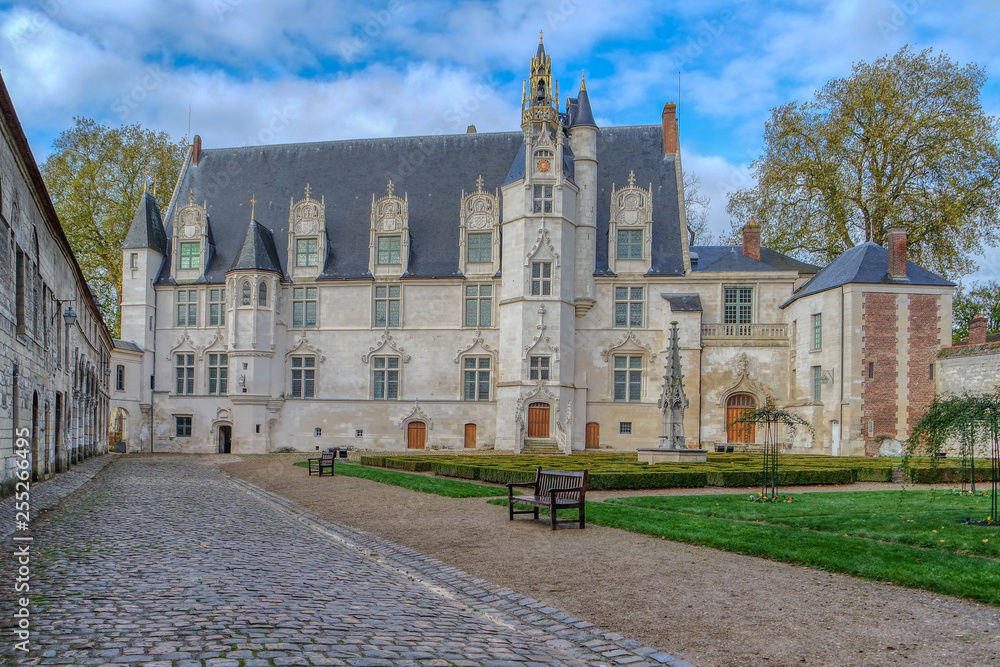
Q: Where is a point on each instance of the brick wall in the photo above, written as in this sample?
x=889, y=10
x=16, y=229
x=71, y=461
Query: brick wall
x=878, y=393
x=923, y=341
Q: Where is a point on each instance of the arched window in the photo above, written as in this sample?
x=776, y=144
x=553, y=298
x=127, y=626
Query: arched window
x=262, y=294
x=246, y=292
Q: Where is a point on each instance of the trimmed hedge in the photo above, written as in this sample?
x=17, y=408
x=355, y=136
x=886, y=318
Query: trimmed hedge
x=946, y=474
x=613, y=481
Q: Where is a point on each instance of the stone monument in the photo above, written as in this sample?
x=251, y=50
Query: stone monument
x=672, y=404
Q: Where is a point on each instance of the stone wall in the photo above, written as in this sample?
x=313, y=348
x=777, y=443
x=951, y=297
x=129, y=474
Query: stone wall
x=973, y=369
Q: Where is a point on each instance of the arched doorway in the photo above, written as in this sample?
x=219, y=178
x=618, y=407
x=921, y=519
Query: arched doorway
x=36, y=471
x=225, y=439
x=118, y=434
x=416, y=435
x=470, y=436
x=538, y=420
x=736, y=405
x=593, y=439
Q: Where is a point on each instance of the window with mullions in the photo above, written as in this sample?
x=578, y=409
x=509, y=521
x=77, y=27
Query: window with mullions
x=480, y=247
x=187, y=308
x=303, y=307
x=541, y=278
x=190, y=255
x=184, y=373
x=629, y=304
x=182, y=426
x=538, y=368
x=218, y=374
x=216, y=307
x=738, y=305
x=385, y=378
x=628, y=378
x=817, y=384
x=542, y=199
x=303, y=377
x=306, y=252
x=479, y=305
x=817, y=321
x=389, y=250
x=629, y=244
x=387, y=299
x=477, y=378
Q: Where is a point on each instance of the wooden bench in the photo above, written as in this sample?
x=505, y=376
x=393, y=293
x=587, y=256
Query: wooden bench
x=553, y=490
x=325, y=462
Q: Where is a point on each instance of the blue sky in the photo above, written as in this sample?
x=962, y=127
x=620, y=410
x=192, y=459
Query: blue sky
x=307, y=70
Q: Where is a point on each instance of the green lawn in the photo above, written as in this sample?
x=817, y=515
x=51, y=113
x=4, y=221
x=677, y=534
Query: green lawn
x=422, y=483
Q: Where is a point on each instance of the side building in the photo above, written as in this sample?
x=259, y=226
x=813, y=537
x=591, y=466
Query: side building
x=512, y=290
x=55, y=350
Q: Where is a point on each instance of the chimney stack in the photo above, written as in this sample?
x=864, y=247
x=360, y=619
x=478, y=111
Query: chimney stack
x=751, y=240
x=977, y=330
x=897, y=253
x=671, y=145
x=196, y=149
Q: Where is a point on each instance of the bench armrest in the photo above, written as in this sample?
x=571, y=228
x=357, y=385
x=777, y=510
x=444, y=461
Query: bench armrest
x=512, y=484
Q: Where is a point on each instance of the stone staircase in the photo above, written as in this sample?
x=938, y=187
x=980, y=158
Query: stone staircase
x=540, y=446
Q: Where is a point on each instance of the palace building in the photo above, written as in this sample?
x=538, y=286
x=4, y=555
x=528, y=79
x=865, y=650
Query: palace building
x=511, y=291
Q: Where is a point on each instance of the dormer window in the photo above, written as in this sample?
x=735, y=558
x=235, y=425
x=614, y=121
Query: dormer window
x=389, y=250
x=190, y=255
x=630, y=244
x=306, y=252
x=480, y=247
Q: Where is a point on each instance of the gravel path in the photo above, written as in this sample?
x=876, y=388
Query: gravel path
x=164, y=561
x=711, y=607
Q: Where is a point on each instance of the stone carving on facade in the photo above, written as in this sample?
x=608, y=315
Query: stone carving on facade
x=631, y=208
x=538, y=393
x=183, y=342
x=542, y=243
x=477, y=339
x=385, y=340
x=479, y=211
x=390, y=217
x=416, y=414
x=192, y=219
x=307, y=216
x=303, y=344
x=628, y=340
x=744, y=383
x=540, y=337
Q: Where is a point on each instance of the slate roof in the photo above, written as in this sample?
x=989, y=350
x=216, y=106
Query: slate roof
x=726, y=258
x=580, y=113
x=125, y=345
x=684, y=303
x=257, y=252
x=866, y=263
x=432, y=171
x=146, y=230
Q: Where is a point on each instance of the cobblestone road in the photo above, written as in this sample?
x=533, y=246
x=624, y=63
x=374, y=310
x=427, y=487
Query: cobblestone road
x=166, y=561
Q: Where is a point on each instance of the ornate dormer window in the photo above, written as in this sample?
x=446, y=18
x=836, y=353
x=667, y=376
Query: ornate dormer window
x=190, y=241
x=479, y=232
x=390, y=236
x=544, y=154
x=306, y=236
x=630, y=234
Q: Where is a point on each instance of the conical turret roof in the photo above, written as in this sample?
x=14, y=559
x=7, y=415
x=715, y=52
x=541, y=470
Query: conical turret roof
x=146, y=230
x=258, y=252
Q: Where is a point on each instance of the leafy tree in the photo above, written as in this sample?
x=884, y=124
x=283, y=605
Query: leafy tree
x=770, y=416
x=978, y=298
x=95, y=176
x=901, y=141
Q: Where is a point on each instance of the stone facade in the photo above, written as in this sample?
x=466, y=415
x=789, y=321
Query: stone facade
x=513, y=292
x=53, y=384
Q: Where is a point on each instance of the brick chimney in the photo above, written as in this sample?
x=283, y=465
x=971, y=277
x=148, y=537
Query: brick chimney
x=897, y=253
x=977, y=330
x=671, y=145
x=196, y=149
x=751, y=240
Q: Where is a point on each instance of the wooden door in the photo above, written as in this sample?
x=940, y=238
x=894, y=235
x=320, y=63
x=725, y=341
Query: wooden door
x=735, y=407
x=538, y=420
x=416, y=434
x=593, y=440
x=470, y=436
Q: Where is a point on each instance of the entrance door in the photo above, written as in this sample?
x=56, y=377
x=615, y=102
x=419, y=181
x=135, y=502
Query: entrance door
x=538, y=420
x=36, y=470
x=416, y=435
x=470, y=436
x=593, y=440
x=225, y=439
x=735, y=407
